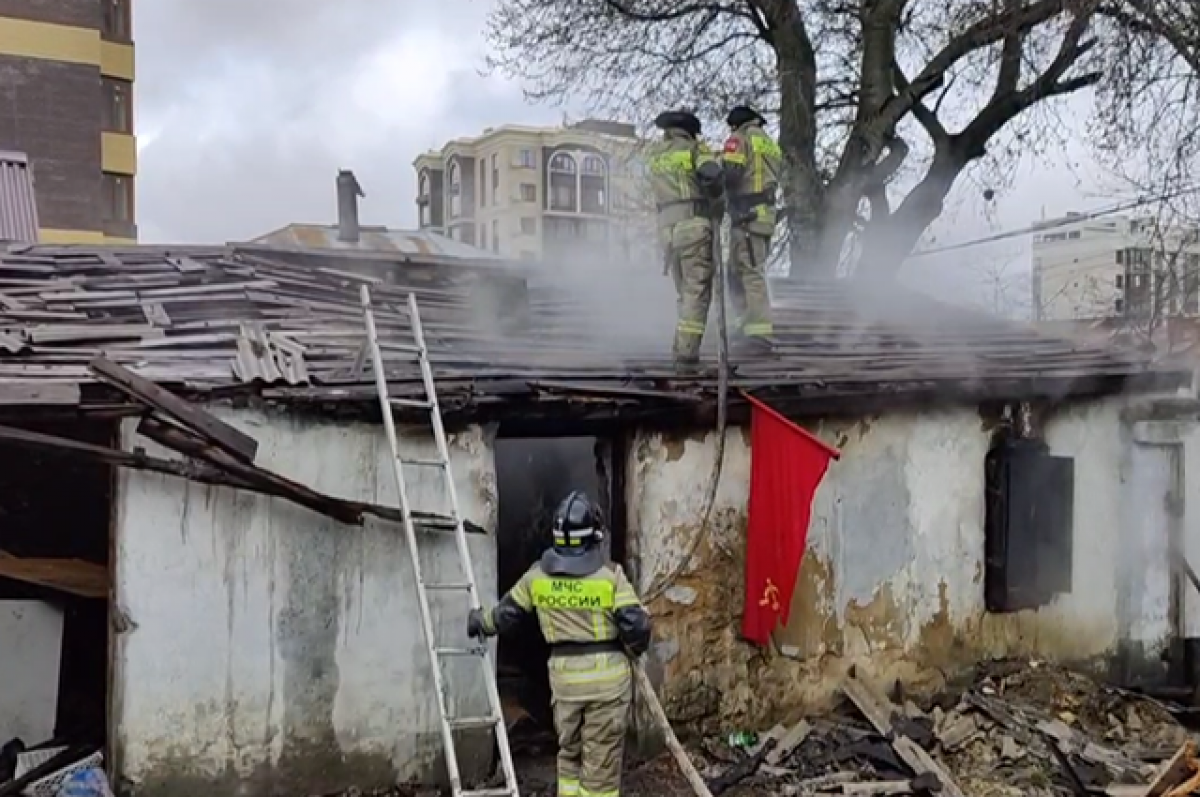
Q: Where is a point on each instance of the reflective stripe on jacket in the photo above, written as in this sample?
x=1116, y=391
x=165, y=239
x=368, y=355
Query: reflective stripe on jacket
x=672, y=163
x=754, y=163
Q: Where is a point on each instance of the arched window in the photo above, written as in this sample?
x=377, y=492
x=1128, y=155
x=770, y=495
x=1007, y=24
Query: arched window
x=424, y=198
x=593, y=185
x=564, y=183
x=594, y=164
x=455, y=190
x=563, y=162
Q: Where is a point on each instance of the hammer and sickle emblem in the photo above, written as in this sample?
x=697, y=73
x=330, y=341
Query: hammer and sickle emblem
x=770, y=596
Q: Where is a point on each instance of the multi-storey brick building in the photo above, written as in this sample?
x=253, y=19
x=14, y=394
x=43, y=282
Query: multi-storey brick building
x=66, y=102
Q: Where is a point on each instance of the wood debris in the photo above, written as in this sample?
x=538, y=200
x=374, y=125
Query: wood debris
x=1018, y=729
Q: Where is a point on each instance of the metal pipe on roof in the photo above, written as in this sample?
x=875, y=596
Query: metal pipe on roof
x=348, y=192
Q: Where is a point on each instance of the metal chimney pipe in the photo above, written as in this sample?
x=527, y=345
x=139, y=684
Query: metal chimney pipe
x=348, y=192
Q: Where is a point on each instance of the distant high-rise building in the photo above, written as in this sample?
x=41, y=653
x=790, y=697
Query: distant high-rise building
x=66, y=102
x=1114, y=267
x=540, y=193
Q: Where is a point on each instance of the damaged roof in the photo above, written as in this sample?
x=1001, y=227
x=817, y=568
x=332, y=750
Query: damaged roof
x=419, y=243
x=287, y=325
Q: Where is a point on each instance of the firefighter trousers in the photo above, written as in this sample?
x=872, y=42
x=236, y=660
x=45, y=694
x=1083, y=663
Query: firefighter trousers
x=591, y=717
x=751, y=301
x=691, y=262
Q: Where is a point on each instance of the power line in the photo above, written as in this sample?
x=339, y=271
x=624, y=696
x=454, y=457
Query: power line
x=1063, y=222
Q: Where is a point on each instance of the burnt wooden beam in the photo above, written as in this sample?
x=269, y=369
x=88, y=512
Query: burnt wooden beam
x=190, y=416
x=134, y=460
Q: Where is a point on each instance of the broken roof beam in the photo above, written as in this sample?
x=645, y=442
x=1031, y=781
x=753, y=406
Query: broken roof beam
x=196, y=420
x=351, y=512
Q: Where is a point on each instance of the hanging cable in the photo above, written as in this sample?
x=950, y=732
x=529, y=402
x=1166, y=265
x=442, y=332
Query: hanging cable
x=714, y=479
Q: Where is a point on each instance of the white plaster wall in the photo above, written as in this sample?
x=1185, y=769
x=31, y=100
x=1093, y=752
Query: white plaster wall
x=30, y=652
x=264, y=634
x=898, y=523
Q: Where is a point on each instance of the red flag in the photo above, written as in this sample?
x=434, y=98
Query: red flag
x=786, y=466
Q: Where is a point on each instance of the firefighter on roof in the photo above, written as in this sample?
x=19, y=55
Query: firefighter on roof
x=687, y=185
x=592, y=619
x=753, y=162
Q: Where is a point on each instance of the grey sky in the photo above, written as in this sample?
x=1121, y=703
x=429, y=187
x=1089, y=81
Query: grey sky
x=247, y=109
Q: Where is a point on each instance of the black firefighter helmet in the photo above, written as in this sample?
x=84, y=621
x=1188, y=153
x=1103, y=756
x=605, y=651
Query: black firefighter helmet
x=578, y=524
x=679, y=120
x=743, y=114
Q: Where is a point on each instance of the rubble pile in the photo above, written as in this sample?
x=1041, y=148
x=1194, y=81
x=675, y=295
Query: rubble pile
x=1017, y=729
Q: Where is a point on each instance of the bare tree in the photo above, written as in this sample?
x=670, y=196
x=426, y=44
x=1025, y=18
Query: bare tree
x=881, y=104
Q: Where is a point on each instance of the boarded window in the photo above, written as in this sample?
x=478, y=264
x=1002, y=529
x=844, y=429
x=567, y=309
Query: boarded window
x=1029, y=526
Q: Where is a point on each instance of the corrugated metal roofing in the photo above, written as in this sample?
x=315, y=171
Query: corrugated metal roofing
x=18, y=206
x=374, y=239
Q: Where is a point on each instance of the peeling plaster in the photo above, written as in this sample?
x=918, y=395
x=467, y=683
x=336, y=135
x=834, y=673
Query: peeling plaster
x=276, y=650
x=893, y=576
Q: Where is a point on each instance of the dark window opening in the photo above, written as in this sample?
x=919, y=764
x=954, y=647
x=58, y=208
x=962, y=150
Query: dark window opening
x=533, y=475
x=117, y=23
x=117, y=198
x=54, y=586
x=1028, y=535
x=118, y=105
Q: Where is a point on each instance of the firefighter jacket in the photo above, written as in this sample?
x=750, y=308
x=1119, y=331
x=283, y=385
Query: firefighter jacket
x=753, y=163
x=588, y=614
x=679, y=165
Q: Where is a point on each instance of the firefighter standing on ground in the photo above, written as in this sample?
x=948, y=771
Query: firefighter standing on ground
x=590, y=616
x=752, y=162
x=687, y=184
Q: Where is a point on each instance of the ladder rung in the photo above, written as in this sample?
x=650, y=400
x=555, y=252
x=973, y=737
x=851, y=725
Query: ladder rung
x=424, y=463
x=479, y=651
x=464, y=586
x=474, y=723
x=419, y=404
x=500, y=792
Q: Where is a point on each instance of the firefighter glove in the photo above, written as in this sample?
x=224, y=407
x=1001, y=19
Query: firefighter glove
x=475, y=629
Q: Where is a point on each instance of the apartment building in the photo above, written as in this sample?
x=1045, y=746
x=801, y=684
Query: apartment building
x=540, y=193
x=1114, y=267
x=66, y=103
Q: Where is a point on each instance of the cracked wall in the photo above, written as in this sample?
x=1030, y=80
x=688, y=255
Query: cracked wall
x=272, y=650
x=893, y=575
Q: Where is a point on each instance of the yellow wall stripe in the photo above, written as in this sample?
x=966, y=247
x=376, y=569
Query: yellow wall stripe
x=26, y=39
x=49, y=235
x=74, y=45
x=116, y=60
x=117, y=240
x=118, y=153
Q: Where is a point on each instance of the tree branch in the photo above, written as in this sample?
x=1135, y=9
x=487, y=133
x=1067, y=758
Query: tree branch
x=1006, y=107
x=1013, y=21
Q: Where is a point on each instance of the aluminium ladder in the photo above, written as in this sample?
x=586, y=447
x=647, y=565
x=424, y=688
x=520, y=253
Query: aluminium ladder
x=495, y=719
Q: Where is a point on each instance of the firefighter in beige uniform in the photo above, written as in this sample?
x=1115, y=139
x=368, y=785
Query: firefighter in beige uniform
x=687, y=183
x=591, y=618
x=752, y=163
